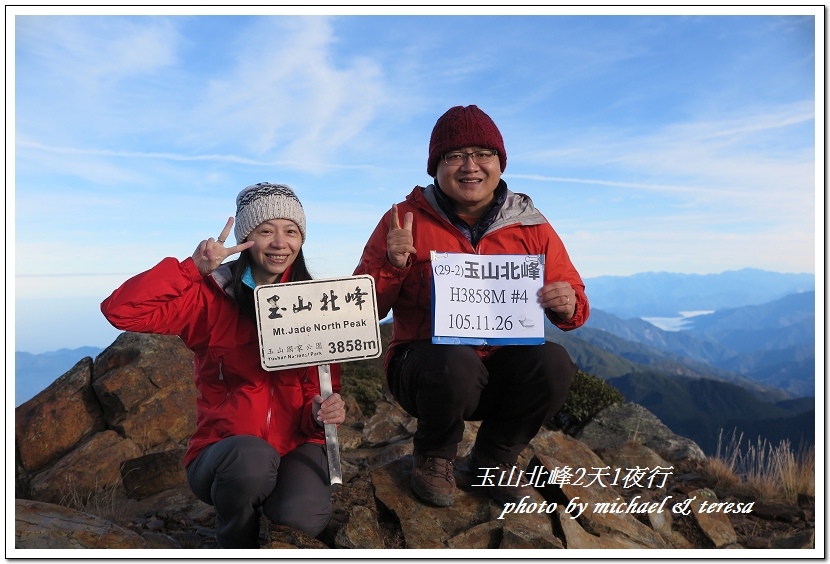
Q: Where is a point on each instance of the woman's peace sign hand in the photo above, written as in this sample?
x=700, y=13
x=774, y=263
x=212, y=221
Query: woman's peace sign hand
x=211, y=252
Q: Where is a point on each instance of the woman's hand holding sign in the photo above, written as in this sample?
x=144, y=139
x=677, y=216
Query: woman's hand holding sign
x=560, y=298
x=332, y=410
x=399, y=239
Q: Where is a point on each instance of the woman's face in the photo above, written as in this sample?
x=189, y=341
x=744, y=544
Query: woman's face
x=277, y=242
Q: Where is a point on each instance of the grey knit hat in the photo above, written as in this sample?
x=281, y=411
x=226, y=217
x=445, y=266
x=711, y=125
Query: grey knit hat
x=265, y=201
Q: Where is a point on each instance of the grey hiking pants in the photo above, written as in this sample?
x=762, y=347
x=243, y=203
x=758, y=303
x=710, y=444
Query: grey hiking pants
x=241, y=474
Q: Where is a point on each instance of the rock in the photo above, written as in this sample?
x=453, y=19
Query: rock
x=70, y=441
x=777, y=511
x=593, y=519
x=391, y=453
x=354, y=415
x=39, y=525
x=621, y=423
x=535, y=522
x=189, y=521
x=280, y=536
x=464, y=523
x=361, y=530
x=57, y=419
x=89, y=470
x=389, y=424
x=757, y=542
x=715, y=526
x=560, y=446
x=153, y=473
x=802, y=540
x=632, y=455
x=177, y=504
x=21, y=477
x=425, y=526
x=661, y=521
x=519, y=537
x=349, y=437
x=578, y=538
x=167, y=418
x=145, y=385
x=159, y=540
x=483, y=535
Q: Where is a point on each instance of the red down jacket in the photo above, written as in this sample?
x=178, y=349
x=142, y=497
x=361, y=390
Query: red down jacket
x=519, y=228
x=236, y=395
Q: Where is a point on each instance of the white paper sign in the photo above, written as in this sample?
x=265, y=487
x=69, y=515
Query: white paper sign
x=317, y=322
x=487, y=299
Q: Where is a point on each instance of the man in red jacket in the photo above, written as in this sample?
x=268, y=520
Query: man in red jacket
x=511, y=389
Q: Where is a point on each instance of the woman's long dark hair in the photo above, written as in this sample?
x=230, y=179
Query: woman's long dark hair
x=245, y=295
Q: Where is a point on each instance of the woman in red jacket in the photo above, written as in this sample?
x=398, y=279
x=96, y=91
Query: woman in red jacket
x=259, y=442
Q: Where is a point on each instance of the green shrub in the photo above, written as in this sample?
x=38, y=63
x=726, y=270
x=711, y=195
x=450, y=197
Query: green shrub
x=588, y=396
x=365, y=383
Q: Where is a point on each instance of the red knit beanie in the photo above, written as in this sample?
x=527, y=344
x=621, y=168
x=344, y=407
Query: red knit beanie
x=463, y=127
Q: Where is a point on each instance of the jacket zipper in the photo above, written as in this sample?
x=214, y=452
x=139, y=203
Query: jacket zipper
x=270, y=407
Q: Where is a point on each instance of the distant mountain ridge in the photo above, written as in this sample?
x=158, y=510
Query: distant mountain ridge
x=607, y=356
x=772, y=344
x=787, y=321
x=701, y=409
x=692, y=398
x=745, y=367
x=665, y=294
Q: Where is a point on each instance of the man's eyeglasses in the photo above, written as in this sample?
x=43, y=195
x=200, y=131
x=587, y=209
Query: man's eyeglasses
x=479, y=157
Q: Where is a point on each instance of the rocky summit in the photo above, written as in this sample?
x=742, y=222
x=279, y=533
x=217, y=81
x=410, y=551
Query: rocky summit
x=98, y=466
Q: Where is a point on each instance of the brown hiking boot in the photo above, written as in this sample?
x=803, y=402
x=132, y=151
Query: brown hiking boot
x=505, y=483
x=433, y=480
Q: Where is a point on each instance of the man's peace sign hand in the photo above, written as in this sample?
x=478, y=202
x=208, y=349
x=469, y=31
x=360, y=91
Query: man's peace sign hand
x=399, y=239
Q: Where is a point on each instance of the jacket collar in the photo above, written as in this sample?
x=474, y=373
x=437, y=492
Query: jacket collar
x=517, y=208
x=472, y=233
x=223, y=275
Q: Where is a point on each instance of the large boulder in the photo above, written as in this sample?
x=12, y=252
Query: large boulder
x=136, y=398
x=153, y=473
x=145, y=385
x=58, y=418
x=92, y=467
x=620, y=423
x=39, y=525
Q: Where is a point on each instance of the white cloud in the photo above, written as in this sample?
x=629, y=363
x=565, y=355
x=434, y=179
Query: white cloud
x=286, y=97
x=95, y=81
x=752, y=169
x=69, y=49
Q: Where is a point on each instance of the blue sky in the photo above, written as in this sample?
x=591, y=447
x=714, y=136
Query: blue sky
x=682, y=143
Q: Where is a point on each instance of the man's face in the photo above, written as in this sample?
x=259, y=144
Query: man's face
x=470, y=185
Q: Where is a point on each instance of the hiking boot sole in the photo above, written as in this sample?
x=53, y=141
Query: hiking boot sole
x=434, y=498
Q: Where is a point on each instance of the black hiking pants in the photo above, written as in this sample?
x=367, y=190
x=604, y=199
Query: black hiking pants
x=512, y=392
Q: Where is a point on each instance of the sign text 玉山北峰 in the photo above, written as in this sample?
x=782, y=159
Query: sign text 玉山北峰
x=487, y=299
x=317, y=322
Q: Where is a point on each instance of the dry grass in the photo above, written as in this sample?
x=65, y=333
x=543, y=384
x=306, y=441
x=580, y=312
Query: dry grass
x=105, y=501
x=762, y=471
